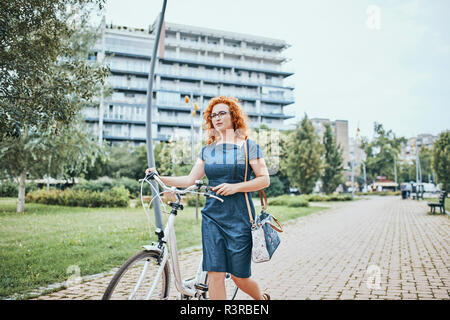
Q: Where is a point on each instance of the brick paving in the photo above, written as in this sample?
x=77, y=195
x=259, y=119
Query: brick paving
x=377, y=248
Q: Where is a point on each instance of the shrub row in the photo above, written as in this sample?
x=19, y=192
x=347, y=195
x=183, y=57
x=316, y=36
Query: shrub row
x=106, y=184
x=192, y=198
x=290, y=201
x=11, y=189
x=379, y=193
x=331, y=197
x=116, y=197
x=303, y=200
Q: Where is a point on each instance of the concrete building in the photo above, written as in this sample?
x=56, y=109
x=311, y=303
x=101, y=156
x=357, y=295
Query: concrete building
x=198, y=62
x=408, y=152
x=340, y=130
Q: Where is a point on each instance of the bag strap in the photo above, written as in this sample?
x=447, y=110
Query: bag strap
x=261, y=192
x=245, y=179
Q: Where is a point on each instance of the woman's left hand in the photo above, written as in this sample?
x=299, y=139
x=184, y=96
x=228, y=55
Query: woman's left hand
x=225, y=189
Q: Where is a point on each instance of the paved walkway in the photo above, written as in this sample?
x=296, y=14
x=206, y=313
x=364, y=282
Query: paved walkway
x=377, y=248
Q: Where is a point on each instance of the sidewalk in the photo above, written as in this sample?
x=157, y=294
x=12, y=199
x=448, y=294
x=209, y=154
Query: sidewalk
x=377, y=248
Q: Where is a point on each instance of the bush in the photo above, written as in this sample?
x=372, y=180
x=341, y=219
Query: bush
x=116, y=197
x=276, y=187
x=330, y=197
x=290, y=201
x=106, y=184
x=379, y=193
x=191, y=199
x=8, y=189
x=11, y=189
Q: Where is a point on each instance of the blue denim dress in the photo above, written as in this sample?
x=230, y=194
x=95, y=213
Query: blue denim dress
x=226, y=234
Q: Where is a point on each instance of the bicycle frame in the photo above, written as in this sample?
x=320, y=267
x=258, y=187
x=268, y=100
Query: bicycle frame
x=186, y=287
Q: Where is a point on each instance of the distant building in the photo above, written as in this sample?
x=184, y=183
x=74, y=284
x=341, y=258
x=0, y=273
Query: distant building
x=194, y=61
x=340, y=131
x=408, y=152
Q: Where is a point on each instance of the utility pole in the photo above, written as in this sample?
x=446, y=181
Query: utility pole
x=365, y=178
x=101, y=59
x=148, y=123
x=395, y=171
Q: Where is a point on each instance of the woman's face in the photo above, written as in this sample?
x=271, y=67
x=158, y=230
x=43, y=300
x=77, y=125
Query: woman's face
x=221, y=122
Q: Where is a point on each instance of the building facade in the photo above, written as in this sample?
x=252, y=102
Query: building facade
x=198, y=62
x=408, y=152
x=340, y=130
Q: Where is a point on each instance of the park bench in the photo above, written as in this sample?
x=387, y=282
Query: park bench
x=440, y=204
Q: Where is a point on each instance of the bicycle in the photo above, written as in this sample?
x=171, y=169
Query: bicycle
x=134, y=275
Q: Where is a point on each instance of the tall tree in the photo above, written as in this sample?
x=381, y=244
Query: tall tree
x=441, y=159
x=381, y=151
x=304, y=158
x=45, y=77
x=45, y=80
x=333, y=168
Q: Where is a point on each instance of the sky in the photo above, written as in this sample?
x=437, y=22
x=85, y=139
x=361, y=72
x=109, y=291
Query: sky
x=385, y=61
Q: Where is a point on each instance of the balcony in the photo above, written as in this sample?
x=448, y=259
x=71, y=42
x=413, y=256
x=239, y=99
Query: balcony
x=196, y=45
x=237, y=64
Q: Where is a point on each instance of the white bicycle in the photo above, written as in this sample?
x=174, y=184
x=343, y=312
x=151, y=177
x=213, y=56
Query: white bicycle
x=146, y=275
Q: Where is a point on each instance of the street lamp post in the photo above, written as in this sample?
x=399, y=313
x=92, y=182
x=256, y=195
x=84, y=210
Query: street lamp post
x=395, y=172
x=194, y=108
x=101, y=58
x=148, y=124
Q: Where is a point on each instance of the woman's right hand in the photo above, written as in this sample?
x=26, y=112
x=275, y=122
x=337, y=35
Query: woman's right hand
x=153, y=169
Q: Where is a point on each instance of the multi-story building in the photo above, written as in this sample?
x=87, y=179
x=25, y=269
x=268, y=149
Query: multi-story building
x=198, y=62
x=340, y=130
x=408, y=152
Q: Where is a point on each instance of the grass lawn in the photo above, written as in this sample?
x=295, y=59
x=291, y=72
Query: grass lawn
x=38, y=246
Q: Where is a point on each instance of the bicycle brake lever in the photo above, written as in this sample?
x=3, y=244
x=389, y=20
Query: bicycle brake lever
x=209, y=194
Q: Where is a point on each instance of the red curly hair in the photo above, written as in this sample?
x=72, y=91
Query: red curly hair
x=238, y=118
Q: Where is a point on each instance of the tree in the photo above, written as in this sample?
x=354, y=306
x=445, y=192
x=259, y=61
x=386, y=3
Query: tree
x=333, y=162
x=38, y=152
x=45, y=76
x=45, y=80
x=441, y=159
x=381, y=152
x=282, y=173
x=304, y=158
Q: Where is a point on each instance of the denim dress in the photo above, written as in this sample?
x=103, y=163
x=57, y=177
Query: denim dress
x=226, y=233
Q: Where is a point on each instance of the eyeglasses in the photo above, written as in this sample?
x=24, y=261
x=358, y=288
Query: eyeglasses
x=221, y=114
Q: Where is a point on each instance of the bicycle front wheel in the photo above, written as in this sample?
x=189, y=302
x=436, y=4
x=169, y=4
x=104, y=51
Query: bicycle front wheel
x=138, y=279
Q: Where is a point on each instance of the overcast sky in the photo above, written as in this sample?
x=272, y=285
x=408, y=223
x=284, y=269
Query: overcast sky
x=357, y=60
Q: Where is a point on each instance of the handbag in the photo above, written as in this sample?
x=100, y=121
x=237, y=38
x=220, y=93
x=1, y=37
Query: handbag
x=265, y=239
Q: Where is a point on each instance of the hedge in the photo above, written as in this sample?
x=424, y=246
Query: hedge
x=116, y=197
x=286, y=200
x=323, y=197
x=11, y=189
x=105, y=184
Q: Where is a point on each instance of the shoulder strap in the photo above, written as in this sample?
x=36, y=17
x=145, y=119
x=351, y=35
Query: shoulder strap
x=261, y=192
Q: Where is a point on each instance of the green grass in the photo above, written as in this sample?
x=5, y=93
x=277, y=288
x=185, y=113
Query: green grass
x=38, y=246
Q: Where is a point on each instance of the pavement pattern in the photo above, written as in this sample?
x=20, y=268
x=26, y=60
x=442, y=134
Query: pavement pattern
x=374, y=248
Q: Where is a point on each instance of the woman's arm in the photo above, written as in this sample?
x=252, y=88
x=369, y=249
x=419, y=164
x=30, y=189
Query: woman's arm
x=262, y=179
x=197, y=173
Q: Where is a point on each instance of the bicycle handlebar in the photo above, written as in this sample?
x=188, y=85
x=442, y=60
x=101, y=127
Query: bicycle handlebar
x=198, y=185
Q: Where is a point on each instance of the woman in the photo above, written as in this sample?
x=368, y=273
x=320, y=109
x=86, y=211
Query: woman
x=226, y=233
